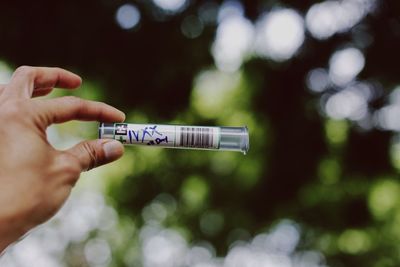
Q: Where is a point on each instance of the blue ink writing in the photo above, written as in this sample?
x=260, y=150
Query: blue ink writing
x=145, y=131
x=135, y=134
x=151, y=132
x=154, y=130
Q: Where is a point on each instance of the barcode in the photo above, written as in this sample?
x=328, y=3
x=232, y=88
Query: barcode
x=196, y=137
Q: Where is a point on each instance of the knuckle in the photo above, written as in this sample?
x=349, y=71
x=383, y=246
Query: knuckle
x=92, y=154
x=78, y=106
x=73, y=100
x=25, y=71
x=58, y=69
x=11, y=108
x=15, y=109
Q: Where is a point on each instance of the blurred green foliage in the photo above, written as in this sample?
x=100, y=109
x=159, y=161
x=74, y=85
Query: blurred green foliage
x=337, y=180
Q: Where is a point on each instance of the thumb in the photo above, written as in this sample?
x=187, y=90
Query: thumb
x=95, y=153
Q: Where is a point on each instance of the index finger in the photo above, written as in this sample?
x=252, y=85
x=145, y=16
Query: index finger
x=27, y=79
x=68, y=108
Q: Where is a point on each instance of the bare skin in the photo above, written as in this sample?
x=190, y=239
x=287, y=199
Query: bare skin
x=35, y=178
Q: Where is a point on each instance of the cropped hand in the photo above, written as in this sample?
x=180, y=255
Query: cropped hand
x=35, y=178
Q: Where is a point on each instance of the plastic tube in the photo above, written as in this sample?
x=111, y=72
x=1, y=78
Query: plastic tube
x=178, y=136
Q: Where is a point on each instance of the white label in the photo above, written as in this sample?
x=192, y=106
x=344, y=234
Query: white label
x=167, y=135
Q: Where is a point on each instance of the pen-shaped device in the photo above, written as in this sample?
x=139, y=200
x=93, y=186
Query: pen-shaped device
x=178, y=136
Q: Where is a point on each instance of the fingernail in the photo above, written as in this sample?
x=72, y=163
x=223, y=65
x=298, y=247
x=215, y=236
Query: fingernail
x=123, y=116
x=113, y=150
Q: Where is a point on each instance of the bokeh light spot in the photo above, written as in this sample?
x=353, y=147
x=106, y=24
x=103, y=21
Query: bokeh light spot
x=280, y=34
x=98, y=252
x=211, y=223
x=208, y=12
x=194, y=192
x=329, y=171
x=395, y=152
x=128, y=16
x=318, y=80
x=330, y=17
x=212, y=92
x=172, y=6
x=164, y=248
x=229, y=9
x=336, y=131
x=388, y=118
x=384, y=198
x=192, y=27
x=233, y=42
x=354, y=241
x=345, y=65
x=347, y=104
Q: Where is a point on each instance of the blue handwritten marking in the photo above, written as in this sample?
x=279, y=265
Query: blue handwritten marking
x=154, y=130
x=136, y=135
x=149, y=131
x=145, y=131
x=130, y=136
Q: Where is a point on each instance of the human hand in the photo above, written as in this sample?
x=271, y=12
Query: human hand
x=35, y=178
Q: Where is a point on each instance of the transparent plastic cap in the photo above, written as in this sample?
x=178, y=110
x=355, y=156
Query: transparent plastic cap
x=234, y=139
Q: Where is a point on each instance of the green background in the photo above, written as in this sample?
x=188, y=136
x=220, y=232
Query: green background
x=314, y=190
